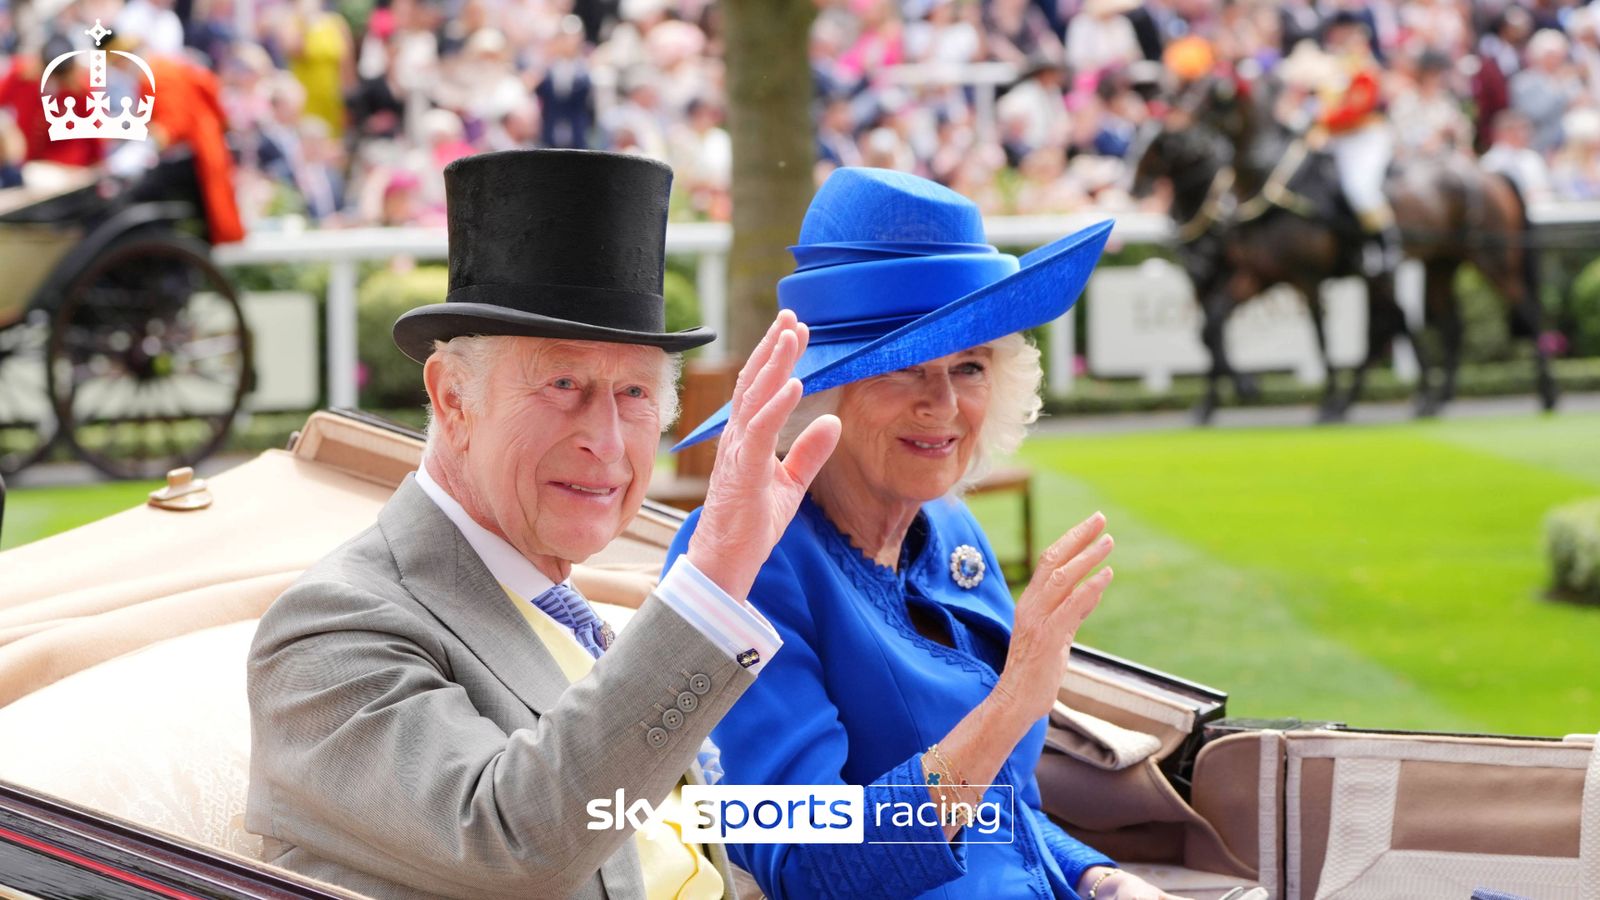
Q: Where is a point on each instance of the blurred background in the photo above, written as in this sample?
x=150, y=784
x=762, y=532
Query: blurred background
x=1439, y=573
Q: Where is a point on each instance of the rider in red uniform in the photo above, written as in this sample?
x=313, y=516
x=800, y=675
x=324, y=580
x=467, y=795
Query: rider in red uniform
x=1360, y=139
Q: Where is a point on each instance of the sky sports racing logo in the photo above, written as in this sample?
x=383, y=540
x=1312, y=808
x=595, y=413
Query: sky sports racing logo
x=804, y=814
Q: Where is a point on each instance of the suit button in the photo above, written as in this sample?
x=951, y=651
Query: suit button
x=687, y=702
x=657, y=738
x=672, y=719
x=700, y=684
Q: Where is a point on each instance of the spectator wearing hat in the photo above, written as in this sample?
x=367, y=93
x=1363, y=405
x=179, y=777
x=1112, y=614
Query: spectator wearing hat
x=565, y=91
x=1499, y=57
x=1019, y=32
x=1038, y=102
x=1546, y=88
x=1429, y=121
x=1101, y=37
x=1513, y=156
x=952, y=34
x=1575, y=171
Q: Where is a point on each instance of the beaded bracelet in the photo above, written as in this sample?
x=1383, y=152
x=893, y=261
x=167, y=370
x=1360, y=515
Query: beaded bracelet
x=1099, y=881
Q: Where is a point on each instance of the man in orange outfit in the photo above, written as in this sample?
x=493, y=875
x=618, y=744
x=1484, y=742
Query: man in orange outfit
x=188, y=110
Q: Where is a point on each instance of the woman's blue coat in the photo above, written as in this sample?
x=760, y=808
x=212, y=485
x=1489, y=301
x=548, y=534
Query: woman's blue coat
x=856, y=694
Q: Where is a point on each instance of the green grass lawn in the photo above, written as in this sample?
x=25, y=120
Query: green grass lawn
x=33, y=513
x=1383, y=576
x=1386, y=576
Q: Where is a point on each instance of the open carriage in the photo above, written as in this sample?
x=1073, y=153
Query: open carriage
x=124, y=729
x=117, y=333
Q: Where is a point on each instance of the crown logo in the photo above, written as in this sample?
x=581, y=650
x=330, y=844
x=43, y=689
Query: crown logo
x=96, y=119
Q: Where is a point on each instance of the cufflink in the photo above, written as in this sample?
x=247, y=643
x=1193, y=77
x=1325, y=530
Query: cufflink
x=748, y=658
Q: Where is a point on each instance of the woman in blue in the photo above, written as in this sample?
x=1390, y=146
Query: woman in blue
x=905, y=667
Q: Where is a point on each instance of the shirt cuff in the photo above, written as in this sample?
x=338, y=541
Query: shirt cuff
x=744, y=634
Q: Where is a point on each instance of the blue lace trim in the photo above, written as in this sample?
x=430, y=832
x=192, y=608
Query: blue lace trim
x=883, y=586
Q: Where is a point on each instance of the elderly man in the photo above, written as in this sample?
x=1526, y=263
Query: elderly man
x=433, y=706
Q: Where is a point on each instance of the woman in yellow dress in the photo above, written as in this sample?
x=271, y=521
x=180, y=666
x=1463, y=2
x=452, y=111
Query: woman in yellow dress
x=319, y=49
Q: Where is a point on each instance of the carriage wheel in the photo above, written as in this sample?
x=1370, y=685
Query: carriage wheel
x=149, y=357
x=27, y=420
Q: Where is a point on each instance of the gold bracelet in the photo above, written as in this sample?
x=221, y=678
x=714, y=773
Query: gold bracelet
x=1099, y=881
x=947, y=784
x=952, y=776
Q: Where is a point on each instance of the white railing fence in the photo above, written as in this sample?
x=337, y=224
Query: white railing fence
x=342, y=250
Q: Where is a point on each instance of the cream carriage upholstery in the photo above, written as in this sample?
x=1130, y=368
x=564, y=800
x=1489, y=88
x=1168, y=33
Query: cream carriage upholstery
x=1401, y=816
x=143, y=635
x=140, y=623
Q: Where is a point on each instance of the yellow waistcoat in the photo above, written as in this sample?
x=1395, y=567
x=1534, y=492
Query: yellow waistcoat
x=673, y=870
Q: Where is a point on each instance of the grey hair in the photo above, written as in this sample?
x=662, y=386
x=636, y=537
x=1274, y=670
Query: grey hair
x=470, y=359
x=1015, y=375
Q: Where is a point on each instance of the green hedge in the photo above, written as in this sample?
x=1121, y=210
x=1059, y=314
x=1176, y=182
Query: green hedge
x=390, y=379
x=1572, y=537
x=1585, y=312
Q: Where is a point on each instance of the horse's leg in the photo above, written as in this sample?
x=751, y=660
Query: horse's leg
x=1444, y=311
x=1518, y=281
x=1530, y=312
x=1402, y=328
x=1514, y=270
x=1245, y=386
x=1216, y=307
x=1384, y=321
x=1332, y=407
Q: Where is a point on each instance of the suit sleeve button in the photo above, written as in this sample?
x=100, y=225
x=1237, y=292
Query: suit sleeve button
x=657, y=738
x=700, y=684
x=672, y=719
x=687, y=702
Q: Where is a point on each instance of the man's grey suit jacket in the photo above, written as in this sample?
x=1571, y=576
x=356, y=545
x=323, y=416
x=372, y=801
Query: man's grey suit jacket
x=411, y=737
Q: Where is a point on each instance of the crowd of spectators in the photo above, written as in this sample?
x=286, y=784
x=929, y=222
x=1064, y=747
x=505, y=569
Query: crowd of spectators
x=345, y=113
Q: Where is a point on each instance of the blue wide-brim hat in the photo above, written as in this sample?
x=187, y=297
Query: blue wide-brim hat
x=894, y=271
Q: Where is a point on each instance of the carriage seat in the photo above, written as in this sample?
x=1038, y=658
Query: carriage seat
x=159, y=736
x=42, y=181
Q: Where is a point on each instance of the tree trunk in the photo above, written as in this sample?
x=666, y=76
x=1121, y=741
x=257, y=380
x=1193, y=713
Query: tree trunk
x=769, y=120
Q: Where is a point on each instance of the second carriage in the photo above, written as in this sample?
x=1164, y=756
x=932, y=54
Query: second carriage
x=120, y=339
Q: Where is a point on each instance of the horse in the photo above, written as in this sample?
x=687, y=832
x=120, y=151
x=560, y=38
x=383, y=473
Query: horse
x=1255, y=209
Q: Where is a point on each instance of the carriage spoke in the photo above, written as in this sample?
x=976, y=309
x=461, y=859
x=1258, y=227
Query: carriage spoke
x=154, y=359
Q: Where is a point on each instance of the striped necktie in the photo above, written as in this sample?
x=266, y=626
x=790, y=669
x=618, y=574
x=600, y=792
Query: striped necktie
x=568, y=607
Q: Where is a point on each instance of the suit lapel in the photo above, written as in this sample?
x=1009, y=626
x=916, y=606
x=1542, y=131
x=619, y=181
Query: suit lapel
x=442, y=572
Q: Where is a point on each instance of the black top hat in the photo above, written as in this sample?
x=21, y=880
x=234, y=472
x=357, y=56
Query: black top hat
x=553, y=243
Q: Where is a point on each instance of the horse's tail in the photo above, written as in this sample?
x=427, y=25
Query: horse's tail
x=1530, y=252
